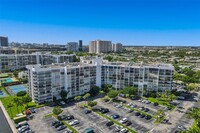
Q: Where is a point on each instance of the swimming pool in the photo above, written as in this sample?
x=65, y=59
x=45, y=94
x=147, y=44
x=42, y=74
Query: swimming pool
x=7, y=80
x=3, y=94
x=17, y=88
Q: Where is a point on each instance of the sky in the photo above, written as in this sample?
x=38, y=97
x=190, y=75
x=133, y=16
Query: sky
x=131, y=22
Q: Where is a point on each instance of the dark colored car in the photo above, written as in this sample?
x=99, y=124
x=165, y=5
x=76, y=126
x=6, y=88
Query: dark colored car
x=61, y=127
x=32, y=110
x=70, y=117
x=55, y=122
x=58, y=124
x=63, y=117
x=24, y=129
x=110, y=123
x=115, y=116
x=155, y=104
x=142, y=116
x=146, y=110
x=130, y=111
x=148, y=117
x=87, y=111
x=128, y=123
x=105, y=111
x=137, y=114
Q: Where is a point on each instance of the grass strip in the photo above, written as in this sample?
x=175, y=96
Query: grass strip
x=117, y=123
x=69, y=127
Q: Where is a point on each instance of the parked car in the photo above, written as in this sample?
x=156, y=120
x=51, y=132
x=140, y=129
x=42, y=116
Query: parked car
x=115, y=116
x=110, y=123
x=61, y=127
x=155, y=104
x=124, y=120
x=23, y=127
x=142, y=116
x=23, y=123
x=59, y=124
x=32, y=110
x=146, y=110
x=87, y=111
x=119, y=106
x=118, y=128
x=137, y=114
x=74, y=122
x=54, y=123
x=130, y=111
x=124, y=130
x=105, y=110
x=147, y=117
x=89, y=130
x=63, y=117
x=128, y=123
x=70, y=117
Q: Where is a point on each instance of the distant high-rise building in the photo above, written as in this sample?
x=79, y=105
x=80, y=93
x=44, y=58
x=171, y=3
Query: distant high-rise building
x=72, y=46
x=80, y=45
x=99, y=46
x=3, y=41
x=117, y=47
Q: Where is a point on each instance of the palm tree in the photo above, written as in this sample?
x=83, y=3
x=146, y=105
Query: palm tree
x=16, y=101
x=21, y=104
x=9, y=106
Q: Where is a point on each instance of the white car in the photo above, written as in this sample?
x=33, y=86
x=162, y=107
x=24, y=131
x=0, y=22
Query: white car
x=124, y=130
x=119, y=106
x=129, y=104
x=118, y=128
x=74, y=122
x=124, y=120
x=62, y=103
x=26, y=126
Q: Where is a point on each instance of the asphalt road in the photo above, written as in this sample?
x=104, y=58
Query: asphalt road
x=4, y=126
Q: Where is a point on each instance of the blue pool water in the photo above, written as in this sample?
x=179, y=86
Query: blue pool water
x=18, y=88
x=7, y=80
x=3, y=94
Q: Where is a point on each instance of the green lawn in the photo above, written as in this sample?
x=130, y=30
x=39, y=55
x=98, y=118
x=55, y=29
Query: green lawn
x=161, y=102
x=14, y=110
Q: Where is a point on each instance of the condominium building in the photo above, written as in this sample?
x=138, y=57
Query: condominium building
x=146, y=78
x=99, y=46
x=117, y=47
x=72, y=46
x=46, y=82
x=11, y=62
x=3, y=41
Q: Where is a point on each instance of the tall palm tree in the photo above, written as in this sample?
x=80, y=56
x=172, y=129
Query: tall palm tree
x=21, y=104
x=16, y=101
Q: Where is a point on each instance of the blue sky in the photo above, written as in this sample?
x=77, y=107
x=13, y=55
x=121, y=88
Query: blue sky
x=131, y=22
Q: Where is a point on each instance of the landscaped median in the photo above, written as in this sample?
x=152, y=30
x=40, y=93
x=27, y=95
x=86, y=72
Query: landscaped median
x=65, y=123
x=117, y=123
x=161, y=102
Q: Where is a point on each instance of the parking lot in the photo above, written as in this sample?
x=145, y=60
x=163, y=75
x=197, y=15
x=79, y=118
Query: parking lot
x=140, y=125
x=91, y=120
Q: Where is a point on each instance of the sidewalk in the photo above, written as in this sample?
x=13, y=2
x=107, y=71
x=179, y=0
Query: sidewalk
x=8, y=118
